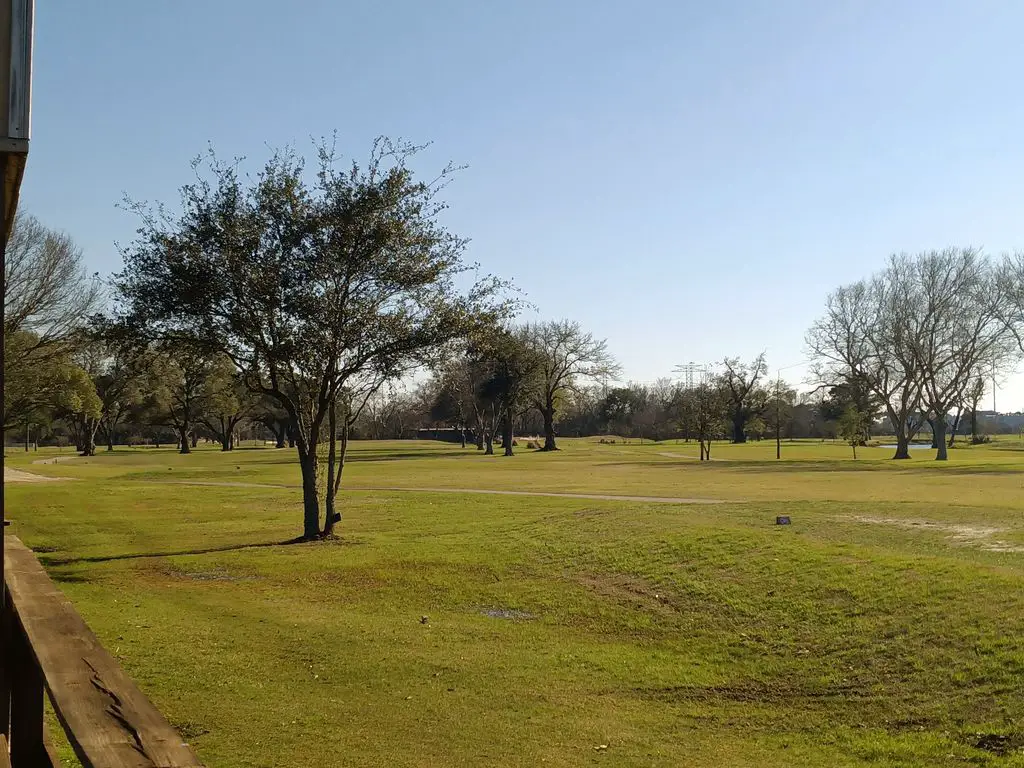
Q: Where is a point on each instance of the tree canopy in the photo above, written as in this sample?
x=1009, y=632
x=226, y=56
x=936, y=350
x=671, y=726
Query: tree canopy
x=319, y=287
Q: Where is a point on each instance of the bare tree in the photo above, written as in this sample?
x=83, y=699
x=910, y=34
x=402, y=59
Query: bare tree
x=975, y=391
x=568, y=356
x=958, y=307
x=1011, y=277
x=47, y=291
x=865, y=337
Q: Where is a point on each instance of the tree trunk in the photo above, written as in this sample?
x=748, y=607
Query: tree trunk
x=462, y=434
x=310, y=502
x=488, y=439
x=334, y=517
x=902, y=445
x=939, y=435
x=89, y=439
x=974, y=425
x=110, y=440
x=548, y=412
x=195, y=440
x=738, y=435
x=954, y=428
x=933, y=423
x=183, y=440
x=332, y=458
x=480, y=439
x=506, y=434
x=280, y=437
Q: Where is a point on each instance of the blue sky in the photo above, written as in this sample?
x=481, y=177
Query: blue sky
x=687, y=179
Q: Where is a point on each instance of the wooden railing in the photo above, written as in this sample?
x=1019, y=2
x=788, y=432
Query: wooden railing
x=107, y=719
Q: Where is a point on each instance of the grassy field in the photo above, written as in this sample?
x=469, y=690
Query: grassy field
x=883, y=627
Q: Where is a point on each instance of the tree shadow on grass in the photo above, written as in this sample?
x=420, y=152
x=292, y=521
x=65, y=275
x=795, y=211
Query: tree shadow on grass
x=56, y=561
x=70, y=576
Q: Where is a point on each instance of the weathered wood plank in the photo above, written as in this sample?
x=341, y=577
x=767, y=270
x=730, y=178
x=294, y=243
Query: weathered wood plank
x=108, y=720
x=5, y=753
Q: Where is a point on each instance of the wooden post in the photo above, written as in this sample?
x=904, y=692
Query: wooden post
x=5, y=668
x=27, y=746
x=15, y=113
x=5, y=612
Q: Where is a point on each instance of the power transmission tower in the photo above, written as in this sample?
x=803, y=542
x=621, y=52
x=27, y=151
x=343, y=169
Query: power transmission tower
x=688, y=370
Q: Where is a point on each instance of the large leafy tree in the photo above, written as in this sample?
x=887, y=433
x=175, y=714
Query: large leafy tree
x=747, y=399
x=48, y=386
x=622, y=407
x=852, y=391
x=119, y=373
x=228, y=401
x=181, y=384
x=515, y=367
x=320, y=288
x=507, y=369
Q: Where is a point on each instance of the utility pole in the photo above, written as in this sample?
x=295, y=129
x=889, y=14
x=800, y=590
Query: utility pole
x=778, y=407
x=778, y=416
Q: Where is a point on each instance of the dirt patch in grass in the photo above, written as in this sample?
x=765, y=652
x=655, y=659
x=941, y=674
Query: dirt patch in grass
x=585, y=513
x=980, y=536
x=997, y=743
x=57, y=459
x=213, y=574
x=629, y=591
x=20, y=476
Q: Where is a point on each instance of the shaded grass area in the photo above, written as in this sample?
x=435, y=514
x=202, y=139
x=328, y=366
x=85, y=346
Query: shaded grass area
x=673, y=635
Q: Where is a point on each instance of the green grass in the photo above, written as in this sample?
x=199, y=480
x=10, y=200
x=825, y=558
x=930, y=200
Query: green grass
x=882, y=628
